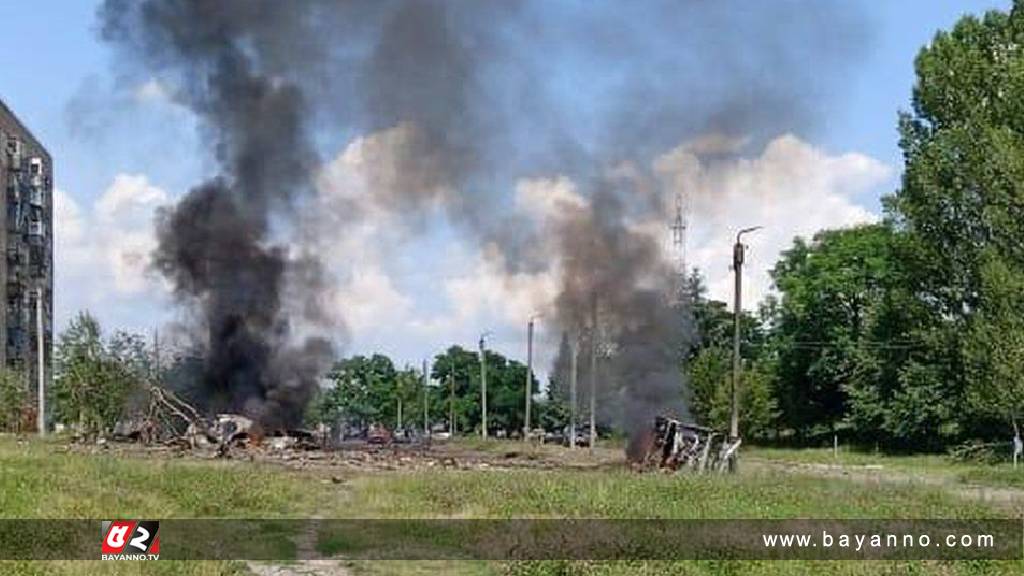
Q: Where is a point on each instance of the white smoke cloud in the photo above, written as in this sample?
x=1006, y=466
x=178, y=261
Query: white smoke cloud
x=456, y=290
x=790, y=186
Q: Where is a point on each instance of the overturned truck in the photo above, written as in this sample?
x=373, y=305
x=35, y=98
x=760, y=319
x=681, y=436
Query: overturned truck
x=675, y=445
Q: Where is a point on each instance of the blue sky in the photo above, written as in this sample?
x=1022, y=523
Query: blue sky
x=114, y=163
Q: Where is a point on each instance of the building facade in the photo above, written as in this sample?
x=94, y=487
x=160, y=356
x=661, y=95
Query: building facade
x=26, y=267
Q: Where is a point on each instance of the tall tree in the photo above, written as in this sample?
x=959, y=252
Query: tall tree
x=365, y=391
x=505, y=394
x=94, y=379
x=995, y=346
x=961, y=202
x=14, y=399
x=844, y=334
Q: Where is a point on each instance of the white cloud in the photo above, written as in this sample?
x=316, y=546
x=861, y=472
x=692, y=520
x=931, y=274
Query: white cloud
x=106, y=249
x=370, y=300
x=488, y=291
x=69, y=232
x=792, y=189
x=403, y=294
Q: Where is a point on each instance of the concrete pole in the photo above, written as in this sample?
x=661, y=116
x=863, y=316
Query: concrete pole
x=451, y=396
x=426, y=426
x=737, y=260
x=737, y=267
x=40, y=363
x=483, y=388
x=529, y=379
x=573, y=348
x=399, y=427
x=593, y=374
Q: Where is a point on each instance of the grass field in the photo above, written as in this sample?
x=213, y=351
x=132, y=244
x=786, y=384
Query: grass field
x=935, y=466
x=42, y=480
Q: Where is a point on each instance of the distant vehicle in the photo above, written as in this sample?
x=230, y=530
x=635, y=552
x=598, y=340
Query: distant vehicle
x=403, y=436
x=562, y=438
x=378, y=434
x=440, y=435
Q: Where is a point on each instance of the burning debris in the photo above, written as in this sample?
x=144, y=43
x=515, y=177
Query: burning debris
x=675, y=445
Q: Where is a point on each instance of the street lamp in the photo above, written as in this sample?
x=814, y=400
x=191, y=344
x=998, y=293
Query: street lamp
x=737, y=267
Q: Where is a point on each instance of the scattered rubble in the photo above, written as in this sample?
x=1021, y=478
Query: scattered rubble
x=171, y=428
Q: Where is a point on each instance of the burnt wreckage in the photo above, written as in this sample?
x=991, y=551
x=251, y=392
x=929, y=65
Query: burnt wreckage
x=676, y=445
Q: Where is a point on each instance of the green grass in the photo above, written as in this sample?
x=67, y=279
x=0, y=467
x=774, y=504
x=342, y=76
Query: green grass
x=42, y=480
x=624, y=495
x=38, y=481
x=620, y=494
x=848, y=457
x=935, y=466
x=998, y=475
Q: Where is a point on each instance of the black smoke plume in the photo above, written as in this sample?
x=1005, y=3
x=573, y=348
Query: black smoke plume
x=483, y=93
x=216, y=245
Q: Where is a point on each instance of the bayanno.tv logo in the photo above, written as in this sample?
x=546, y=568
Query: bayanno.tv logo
x=130, y=540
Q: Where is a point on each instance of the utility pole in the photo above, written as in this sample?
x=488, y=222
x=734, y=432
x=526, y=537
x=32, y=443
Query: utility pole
x=529, y=378
x=593, y=372
x=483, y=387
x=573, y=349
x=40, y=362
x=451, y=396
x=737, y=267
x=426, y=426
x=399, y=427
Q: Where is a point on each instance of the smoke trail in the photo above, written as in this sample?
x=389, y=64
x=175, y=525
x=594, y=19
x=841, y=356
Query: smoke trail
x=475, y=95
x=215, y=245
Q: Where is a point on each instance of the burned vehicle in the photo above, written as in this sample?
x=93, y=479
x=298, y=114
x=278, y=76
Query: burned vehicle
x=675, y=445
x=225, y=430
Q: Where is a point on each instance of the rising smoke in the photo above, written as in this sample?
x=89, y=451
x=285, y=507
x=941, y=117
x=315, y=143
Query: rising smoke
x=484, y=93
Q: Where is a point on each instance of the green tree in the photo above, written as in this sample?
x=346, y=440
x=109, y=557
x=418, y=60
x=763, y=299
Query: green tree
x=364, y=392
x=960, y=205
x=709, y=374
x=505, y=389
x=14, y=399
x=711, y=393
x=995, y=346
x=845, y=332
x=708, y=363
x=94, y=379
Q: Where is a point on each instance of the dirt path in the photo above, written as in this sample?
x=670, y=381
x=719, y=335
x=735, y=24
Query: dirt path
x=305, y=544
x=1011, y=499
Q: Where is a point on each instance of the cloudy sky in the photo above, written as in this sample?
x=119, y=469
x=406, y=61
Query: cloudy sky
x=124, y=149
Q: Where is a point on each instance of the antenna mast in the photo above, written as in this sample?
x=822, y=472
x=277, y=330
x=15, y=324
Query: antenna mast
x=678, y=228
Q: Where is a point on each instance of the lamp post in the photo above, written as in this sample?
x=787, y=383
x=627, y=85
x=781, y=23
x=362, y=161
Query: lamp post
x=737, y=267
x=573, y=349
x=40, y=363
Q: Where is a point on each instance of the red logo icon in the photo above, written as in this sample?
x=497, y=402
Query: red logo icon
x=130, y=540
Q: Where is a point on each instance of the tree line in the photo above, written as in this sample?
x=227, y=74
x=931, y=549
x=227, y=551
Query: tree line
x=908, y=333
x=903, y=334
